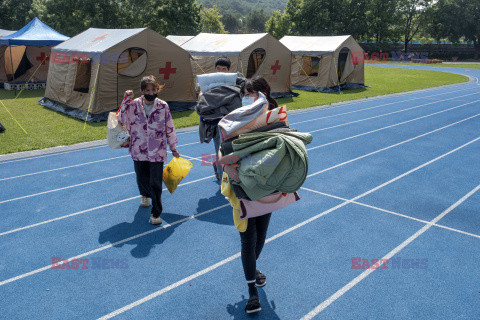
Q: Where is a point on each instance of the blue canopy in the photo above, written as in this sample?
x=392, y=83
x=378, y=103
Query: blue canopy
x=35, y=33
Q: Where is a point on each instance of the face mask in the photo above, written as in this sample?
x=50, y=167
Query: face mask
x=150, y=97
x=246, y=101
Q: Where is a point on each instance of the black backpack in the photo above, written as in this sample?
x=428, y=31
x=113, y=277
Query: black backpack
x=2, y=128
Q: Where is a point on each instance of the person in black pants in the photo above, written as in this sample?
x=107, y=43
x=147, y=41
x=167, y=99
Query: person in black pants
x=253, y=240
x=149, y=179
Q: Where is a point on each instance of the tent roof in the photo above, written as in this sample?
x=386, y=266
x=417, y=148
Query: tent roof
x=4, y=33
x=179, y=40
x=97, y=40
x=35, y=33
x=313, y=45
x=212, y=44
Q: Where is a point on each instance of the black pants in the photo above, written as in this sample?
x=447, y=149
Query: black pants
x=149, y=180
x=253, y=240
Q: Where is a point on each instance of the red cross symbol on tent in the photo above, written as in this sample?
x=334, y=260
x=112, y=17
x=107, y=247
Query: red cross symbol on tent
x=43, y=58
x=100, y=38
x=276, y=67
x=167, y=70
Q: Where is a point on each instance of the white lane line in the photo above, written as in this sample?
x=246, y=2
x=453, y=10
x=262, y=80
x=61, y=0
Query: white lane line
x=78, y=165
x=91, y=209
x=278, y=235
x=65, y=188
x=293, y=114
x=49, y=266
x=387, y=114
x=391, y=146
x=379, y=106
x=390, y=126
x=393, y=213
x=338, y=165
x=51, y=154
x=86, y=183
x=382, y=97
x=62, y=168
x=389, y=255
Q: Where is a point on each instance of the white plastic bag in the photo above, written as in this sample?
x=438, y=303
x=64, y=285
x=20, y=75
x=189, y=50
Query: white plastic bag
x=116, y=133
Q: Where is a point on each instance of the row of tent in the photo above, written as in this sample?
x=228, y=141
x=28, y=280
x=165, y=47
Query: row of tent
x=88, y=73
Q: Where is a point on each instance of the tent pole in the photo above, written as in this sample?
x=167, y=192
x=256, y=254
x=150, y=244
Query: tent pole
x=11, y=64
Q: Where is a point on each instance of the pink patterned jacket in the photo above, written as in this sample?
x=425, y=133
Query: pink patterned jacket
x=148, y=137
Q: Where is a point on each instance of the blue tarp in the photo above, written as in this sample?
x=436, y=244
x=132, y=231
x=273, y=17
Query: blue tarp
x=35, y=33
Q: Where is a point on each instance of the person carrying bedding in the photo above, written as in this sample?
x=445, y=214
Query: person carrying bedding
x=150, y=126
x=220, y=94
x=244, y=161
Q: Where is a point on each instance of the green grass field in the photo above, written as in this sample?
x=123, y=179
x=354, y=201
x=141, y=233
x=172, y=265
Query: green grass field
x=46, y=128
x=444, y=65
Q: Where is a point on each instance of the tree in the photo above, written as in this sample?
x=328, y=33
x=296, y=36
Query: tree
x=211, y=21
x=255, y=21
x=232, y=22
x=287, y=23
x=15, y=14
x=278, y=25
x=412, y=16
x=71, y=17
x=381, y=17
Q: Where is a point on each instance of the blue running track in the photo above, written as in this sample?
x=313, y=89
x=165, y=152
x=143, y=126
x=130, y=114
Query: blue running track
x=393, y=178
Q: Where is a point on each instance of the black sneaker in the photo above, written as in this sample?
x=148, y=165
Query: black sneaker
x=260, y=279
x=253, y=305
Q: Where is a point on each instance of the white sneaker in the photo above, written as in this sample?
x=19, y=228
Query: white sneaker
x=145, y=202
x=153, y=220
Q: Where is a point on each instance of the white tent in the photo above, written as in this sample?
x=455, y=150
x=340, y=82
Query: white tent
x=179, y=40
x=251, y=54
x=324, y=62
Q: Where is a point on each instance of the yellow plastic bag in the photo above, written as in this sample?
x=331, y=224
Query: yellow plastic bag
x=175, y=171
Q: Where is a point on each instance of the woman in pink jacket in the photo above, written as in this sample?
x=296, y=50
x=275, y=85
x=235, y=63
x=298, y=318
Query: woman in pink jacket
x=150, y=126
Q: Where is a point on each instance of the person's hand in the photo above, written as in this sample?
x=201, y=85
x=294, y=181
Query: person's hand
x=176, y=154
x=128, y=93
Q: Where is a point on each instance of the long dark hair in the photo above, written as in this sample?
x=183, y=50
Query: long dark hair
x=259, y=84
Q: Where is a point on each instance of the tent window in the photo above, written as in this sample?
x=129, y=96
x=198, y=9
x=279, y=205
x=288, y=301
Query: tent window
x=342, y=61
x=132, y=62
x=254, y=62
x=310, y=66
x=82, y=78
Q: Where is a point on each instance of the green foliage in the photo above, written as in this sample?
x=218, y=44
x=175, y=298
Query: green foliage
x=232, y=22
x=412, y=15
x=244, y=7
x=71, y=17
x=211, y=21
x=255, y=21
x=15, y=14
x=456, y=20
x=278, y=25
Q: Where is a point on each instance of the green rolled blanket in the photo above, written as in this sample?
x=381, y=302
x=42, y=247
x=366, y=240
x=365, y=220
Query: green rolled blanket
x=271, y=161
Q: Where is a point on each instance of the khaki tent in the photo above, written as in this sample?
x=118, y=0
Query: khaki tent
x=91, y=71
x=320, y=63
x=251, y=54
x=179, y=40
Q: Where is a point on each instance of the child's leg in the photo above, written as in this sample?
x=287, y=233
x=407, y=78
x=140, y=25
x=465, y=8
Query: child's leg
x=142, y=171
x=156, y=175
